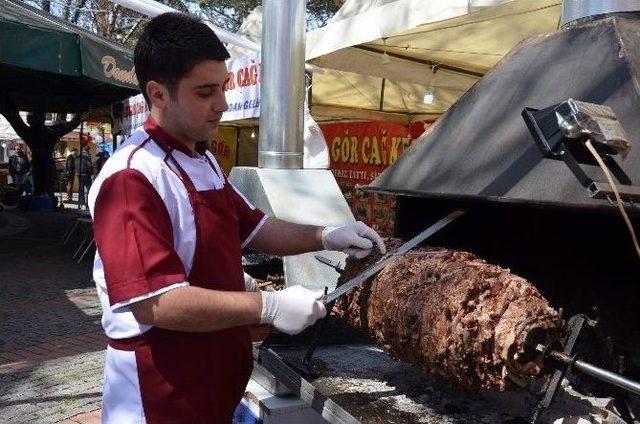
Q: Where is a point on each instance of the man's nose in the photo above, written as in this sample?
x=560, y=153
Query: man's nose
x=220, y=105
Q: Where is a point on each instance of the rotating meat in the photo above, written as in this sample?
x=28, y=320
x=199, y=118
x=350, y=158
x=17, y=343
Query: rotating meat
x=453, y=315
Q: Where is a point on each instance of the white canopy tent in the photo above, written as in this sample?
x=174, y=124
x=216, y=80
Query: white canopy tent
x=379, y=56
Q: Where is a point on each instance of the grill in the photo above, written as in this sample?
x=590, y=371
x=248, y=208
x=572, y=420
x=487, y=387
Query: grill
x=529, y=209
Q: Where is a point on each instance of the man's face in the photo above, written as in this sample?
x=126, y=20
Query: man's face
x=20, y=148
x=196, y=106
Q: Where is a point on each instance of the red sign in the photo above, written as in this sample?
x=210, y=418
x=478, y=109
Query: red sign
x=359, y=152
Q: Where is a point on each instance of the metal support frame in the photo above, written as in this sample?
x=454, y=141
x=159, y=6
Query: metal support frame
x=597, y=189
x=87, y=241
x=563, y=358
x=328, y=409
x=550, y=390
x=72, y=229
x=556, y=146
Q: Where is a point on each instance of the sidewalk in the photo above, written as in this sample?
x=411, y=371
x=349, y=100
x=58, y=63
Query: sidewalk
x=51, y=342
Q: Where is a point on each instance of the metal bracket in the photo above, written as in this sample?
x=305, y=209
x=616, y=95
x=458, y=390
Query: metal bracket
x=550, y=390
x=328, y=409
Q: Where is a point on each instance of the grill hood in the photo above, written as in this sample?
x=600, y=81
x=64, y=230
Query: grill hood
x=481, y=149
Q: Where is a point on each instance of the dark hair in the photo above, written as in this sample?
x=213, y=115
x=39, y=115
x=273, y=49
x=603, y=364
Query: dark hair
x=170, y=46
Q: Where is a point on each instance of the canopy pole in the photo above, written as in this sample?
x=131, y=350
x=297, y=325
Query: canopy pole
x=80, y=186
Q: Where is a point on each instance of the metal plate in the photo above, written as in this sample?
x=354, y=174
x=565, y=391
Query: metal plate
x=304, y=196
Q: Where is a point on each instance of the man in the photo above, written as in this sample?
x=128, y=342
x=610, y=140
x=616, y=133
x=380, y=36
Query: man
x=101, y=159
x=19, y=165
x=84, y=171
x=70, y=171
x=170, y=229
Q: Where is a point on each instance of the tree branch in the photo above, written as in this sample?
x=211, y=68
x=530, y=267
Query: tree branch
x=131, y=31
x=76, y=13
x=12, y=114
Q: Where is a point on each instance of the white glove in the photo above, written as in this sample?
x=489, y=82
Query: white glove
x=354, y=239
x=293, y=309
x=250, y=284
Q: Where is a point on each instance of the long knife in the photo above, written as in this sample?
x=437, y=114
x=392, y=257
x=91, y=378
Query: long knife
x=384, y=261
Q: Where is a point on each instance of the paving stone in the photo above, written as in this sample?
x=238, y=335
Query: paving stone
x=51, y=343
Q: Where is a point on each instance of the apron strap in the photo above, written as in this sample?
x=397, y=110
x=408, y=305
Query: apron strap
x=182, y=174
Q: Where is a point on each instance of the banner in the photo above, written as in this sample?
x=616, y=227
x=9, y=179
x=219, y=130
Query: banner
x=243, y=88
x=358, y=153
x=224, y=148
x=134, y=113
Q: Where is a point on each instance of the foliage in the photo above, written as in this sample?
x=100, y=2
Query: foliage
x=123, y=25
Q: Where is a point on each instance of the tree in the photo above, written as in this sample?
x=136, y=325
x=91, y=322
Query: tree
x=41, y=140
x=122, y=25
x=229, y=14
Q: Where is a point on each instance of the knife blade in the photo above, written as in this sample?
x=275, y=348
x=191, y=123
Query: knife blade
x=330, y=263
x=384, y=261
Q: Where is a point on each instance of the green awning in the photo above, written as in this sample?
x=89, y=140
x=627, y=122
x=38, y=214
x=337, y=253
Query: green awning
x=49, y=64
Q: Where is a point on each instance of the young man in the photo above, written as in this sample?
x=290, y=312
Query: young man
x=70, y=170
x=101, y=158
x=84, y=171
x=19, y=165
x=170, y=230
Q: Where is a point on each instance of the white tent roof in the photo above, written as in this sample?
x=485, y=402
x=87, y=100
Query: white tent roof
x=362, y=21
x=6, y=130
x=251, y=29
x=463, y=38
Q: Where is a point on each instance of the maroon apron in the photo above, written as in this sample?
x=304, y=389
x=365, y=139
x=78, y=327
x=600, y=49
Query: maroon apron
x=198, y=377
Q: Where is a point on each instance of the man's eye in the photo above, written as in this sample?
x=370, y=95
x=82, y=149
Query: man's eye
x=204, y=93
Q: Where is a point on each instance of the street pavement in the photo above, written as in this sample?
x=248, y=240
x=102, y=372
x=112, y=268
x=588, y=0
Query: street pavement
x=51, y=343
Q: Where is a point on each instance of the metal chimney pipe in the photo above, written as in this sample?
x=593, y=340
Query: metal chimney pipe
x=573, y=10
x=281, y=143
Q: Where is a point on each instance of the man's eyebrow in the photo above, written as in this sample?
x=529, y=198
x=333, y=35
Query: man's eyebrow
x=211, y=85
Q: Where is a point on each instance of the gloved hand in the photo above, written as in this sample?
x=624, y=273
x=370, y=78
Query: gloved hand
x=293, y=309
x=355, y=239
x=250, y=283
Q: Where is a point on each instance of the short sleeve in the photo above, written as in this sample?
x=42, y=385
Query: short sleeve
x=134, y=237
x=250, y=218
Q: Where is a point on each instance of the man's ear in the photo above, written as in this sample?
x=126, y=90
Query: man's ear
x=158, y=94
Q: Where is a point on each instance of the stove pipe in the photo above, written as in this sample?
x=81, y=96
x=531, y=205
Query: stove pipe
x=573, y=10
x=282, y=84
